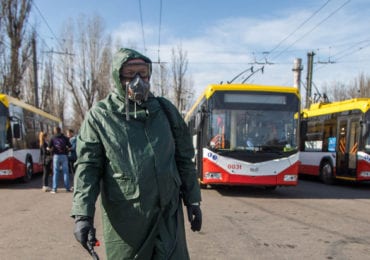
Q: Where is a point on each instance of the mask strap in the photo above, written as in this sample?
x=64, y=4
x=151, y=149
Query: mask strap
x=135, y=109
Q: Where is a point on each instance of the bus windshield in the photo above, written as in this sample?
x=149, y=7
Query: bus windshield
x=254, y=130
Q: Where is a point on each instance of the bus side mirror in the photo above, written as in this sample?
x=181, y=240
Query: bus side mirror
x=16, y=130
x=200, y=117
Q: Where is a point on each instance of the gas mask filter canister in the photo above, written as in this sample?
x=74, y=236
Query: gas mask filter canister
x=138, y=89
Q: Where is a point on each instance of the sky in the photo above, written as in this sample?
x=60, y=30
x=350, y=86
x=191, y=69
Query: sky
x=223, y=38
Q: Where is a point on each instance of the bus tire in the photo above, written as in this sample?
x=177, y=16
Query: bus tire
x=29, y=170
x=326, y=173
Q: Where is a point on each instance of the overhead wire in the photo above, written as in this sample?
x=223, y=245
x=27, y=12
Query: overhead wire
x=296, y=29
x=345, y=53
x=350, y=51
x=142, y=25
x=57, y=66
x=34, y=30
x=315, y=27
x=159, y=31
x=5, y=43
x=38, y=35
x=47, y=24
x=299, y=27
x=351, y=45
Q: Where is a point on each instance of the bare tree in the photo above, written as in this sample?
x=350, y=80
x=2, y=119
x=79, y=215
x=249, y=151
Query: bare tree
x=188, y=95
x=14, y=15
x=3, y=67
x=87, y=65
x=104, y=76
x=338, y=91
x=180, y=87
x=47, y=99
x=160, y=86
x=29, y=80
x=360, y=87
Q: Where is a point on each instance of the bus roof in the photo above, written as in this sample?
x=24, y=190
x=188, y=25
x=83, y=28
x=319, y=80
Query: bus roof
x=318, y=109
x=212, y=88
x=6, y=100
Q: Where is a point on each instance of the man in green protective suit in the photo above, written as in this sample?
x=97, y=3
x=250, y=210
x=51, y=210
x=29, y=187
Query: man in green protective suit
x=135, y=150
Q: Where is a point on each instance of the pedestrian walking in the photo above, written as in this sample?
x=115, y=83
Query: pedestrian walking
x=60, y=145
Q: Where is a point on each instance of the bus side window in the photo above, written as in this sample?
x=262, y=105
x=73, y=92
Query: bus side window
x=303, y=133
x=332, y=143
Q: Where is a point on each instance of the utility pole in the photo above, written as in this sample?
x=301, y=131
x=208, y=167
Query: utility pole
x=35, y=83
x=309, y=77
x=297, y=69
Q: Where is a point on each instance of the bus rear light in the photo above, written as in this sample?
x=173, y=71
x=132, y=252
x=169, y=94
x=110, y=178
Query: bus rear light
x=365, y=174
x=6, y=172
x=292, y=177
x=213, y=175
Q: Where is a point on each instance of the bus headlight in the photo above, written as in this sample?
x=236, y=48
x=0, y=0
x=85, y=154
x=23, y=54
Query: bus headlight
x=292, y=177
x=365, y=174
x=212, y=175
x=6, y=172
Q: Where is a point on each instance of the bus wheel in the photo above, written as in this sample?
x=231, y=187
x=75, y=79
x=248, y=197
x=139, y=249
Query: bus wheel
x=29, y=170
x=326, y=173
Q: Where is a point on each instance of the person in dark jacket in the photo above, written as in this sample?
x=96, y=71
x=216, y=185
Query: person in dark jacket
x=72, y=152
x=135, y=150
x=60, y=146
x=46, y=159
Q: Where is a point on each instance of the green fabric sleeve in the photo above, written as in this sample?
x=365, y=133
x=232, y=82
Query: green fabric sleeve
x=89, y=169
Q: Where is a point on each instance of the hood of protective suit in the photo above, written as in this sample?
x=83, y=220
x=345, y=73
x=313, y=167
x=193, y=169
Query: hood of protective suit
x=121, y=57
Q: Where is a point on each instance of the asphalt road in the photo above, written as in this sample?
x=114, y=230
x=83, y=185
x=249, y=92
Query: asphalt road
x=310, y=221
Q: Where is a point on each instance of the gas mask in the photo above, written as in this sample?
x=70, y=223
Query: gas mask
x=134, y=76
x=137, y=89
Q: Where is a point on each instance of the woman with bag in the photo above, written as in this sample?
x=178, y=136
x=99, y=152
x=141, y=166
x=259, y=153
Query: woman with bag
x=46, y=159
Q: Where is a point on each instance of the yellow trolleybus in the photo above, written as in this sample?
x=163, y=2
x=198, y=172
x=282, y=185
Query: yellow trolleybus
x=20, y=124
x=335, y=140
x=246, y=134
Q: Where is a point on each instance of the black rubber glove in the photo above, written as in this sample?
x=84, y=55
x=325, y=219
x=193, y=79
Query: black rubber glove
x=85, y=234
x=195, y=217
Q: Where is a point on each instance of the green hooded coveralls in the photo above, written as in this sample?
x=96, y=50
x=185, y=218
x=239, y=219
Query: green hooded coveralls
x=143, y=170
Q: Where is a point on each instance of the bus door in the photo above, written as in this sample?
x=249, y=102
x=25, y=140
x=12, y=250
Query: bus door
x=348, y=136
